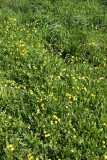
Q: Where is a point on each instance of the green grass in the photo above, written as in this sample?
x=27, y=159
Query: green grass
x=53, y=87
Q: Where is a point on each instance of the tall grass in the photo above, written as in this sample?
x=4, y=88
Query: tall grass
x=53, y=80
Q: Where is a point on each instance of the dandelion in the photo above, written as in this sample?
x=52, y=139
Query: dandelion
x=8, y=147
x=105, y=157
x=59, y=77
x=92, y=95
x=72, y=150
x=56, y=122
x=51, y=122
x=74, y=136
x=104, y=142
x=61, y=74
x=104, y=64
x=24, y=87
x=37, y=158
x=10, y=117
x=31, y=92
x=55, y=116
x=66, y=107
x=12, y=149
x=73, y=129
x=5, y=85
x=38, y=111
x=74, y=98
x=64, y=69
x=47, y=135
x=31, y=158
x=28, y=127
x=104, y=146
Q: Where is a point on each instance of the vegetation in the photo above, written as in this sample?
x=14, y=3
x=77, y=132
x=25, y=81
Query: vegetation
x=53, y=91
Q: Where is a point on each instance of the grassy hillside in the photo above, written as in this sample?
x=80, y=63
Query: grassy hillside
x=53, y=87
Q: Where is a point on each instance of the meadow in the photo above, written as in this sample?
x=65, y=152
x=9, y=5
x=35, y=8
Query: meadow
x=53, y=86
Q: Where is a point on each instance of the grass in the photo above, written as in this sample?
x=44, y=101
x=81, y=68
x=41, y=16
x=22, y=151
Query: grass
x=53, y=87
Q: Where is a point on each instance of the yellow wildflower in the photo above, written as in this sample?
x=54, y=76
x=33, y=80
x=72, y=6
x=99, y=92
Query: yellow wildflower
x=12, y=149
x=74, y=136
x=10, y=117
x=105, y=157
x=72, y=150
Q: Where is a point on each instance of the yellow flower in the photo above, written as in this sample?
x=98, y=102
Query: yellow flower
x=105, y=157
x=17, y=139
x=47, y=135
x=31, y=92
x=92, y=95
x=51, y=122
x=38, y=111
x=74, y=136
x=74, y=98
x=10, y=117
x=72, y=150
x=64, y=69
x=8, y=147
x=56, y=122
x=5, y=85
x=11, y=145
x=104, y=146
x=61, y=74
x=24, y=87
x=12, y=149
x=55, y=116
x=59, y=77
x=104, y=142
x=73, y=129
x=37, y=158
x=28, y=127
x=104, y=64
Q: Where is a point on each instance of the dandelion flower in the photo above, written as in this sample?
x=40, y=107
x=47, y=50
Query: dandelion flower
x=105, y=157
x=12, y=149
x=75, y=136
x=72, y=150
x=10, y=117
